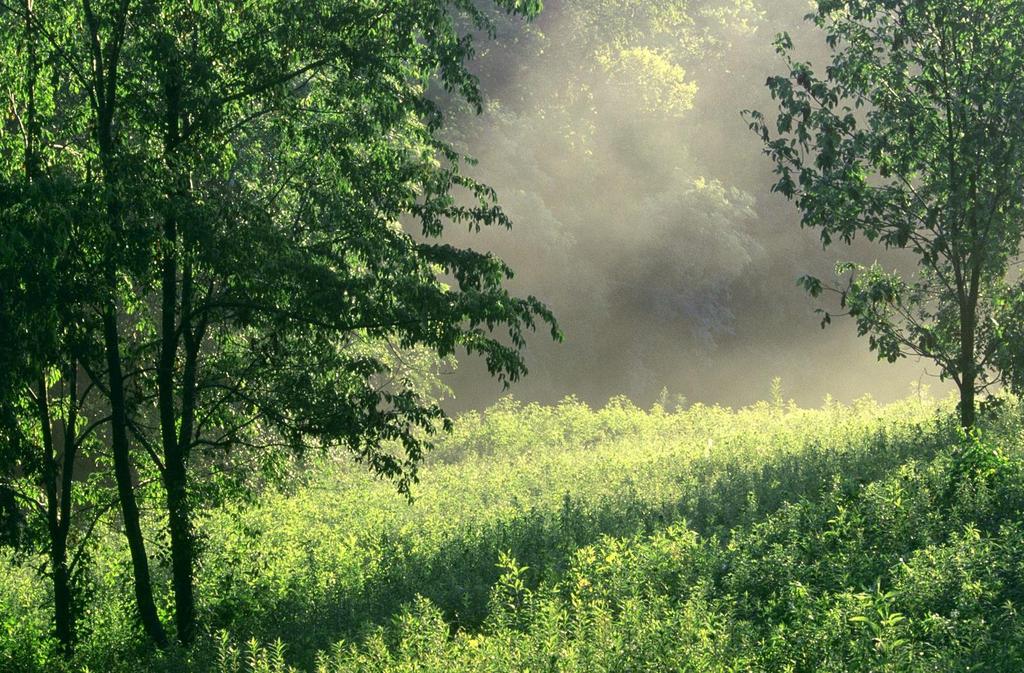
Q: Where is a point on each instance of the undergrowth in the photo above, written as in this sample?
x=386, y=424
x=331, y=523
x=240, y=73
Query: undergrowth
x=565, y=538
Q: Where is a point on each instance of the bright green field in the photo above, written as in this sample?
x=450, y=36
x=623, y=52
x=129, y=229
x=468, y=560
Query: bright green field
x=568, y=539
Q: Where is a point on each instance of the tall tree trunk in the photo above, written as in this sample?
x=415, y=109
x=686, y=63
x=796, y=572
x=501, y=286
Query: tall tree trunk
x=58, y=483
x=174, y=474
x=105, y=64
x=182, y=548
x=182, y=536
x=63, y=617
x=58, y=491
x=63, y=600
x=176, y=484
x=175, y=462
x=968, y=366
x=175, y=450
x=968, y=409
x=120, y=445
x=67, y=476
x=123, y=474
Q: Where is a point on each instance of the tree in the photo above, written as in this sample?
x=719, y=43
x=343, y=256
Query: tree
x=45, y=276
x=257, y=171
x=912, y=137
x=589, y=135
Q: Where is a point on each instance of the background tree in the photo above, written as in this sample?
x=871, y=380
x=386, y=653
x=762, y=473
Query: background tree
x=912, y=137
x=589, y=135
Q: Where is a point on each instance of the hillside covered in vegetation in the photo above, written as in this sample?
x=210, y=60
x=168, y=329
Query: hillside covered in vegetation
x=770, y=538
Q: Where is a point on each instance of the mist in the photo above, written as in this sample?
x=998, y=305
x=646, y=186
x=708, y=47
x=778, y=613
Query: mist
x=643, y=215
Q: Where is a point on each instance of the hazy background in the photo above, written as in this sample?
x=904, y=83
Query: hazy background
x=642, y=209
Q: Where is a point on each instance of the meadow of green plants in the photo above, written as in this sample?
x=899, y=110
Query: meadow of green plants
x=564, y=538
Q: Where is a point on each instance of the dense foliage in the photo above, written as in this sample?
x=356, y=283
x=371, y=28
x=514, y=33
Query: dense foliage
x=564, y=538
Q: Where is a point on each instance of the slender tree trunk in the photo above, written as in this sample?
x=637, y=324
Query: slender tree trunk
x=63, y=617
x=67, y=476
x=105, y=64
x=182, y=535
x=182, y=548
x=58, y=489
x=123, y=474
x=58, y=492
x=120, y=445
x=968, y=411
x=968, y=366
x=176, y=483
x=175, y=450
x=175, y=474
x=174, y=471
x=63, y=600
